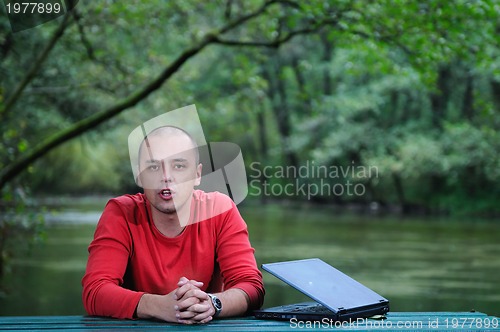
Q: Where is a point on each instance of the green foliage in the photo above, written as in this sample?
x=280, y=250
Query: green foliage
x=21, y=225
x=378, y=83
x=80, y=166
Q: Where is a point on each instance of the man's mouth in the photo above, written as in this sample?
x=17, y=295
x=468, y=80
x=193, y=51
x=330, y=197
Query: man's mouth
x=166, y=193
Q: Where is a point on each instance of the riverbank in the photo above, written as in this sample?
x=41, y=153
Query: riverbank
x=97, y=203
x=418, y=263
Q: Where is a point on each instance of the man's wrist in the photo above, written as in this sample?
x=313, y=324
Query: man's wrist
x=216, y=304
x=142, y=310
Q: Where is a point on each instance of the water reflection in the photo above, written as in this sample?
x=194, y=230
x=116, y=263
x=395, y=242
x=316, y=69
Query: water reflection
x=419, y=265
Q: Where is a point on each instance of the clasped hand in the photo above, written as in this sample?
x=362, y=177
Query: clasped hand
x=192, y=305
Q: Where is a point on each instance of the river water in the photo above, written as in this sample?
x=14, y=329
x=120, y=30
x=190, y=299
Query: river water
x=419, y=264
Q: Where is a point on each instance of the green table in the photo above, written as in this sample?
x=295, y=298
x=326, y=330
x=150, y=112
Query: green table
x=396, y=321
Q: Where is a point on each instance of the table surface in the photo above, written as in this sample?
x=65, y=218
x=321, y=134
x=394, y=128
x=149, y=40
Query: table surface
x=396, y=321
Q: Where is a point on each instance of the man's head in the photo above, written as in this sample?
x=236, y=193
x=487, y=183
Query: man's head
x=167, y=131
x=169, y=168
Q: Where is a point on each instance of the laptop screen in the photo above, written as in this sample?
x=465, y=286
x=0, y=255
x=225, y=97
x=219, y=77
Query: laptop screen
x=324, y=284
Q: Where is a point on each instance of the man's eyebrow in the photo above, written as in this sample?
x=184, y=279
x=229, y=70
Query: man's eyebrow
x=155, y=161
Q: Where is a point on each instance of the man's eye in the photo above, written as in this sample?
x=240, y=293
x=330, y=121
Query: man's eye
x=153, y=168
x=179, y=166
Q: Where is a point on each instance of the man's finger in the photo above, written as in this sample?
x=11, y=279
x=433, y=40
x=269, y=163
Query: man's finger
x=183, y=280
x=202, y=316
x=181, y=291
x=200, y=307
x=191, y=297
x=183, y=305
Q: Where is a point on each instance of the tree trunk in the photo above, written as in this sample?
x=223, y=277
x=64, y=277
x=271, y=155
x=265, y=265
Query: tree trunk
x=468, y=102
x=440, y=98
x=327, y=56
x=263, y=147
x=281, y=110
x=398, y=185
x=495, y=87
x=304, y=96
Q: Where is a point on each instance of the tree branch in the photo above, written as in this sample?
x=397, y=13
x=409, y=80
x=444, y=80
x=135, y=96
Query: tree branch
x=258, y=12
x=16, y=167
x=390, y=39
x=36, y=66
x=277, y=42
x=83, y=36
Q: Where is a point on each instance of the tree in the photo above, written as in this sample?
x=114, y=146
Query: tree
x=366, y=52
x=102, y=59
x=216, y=36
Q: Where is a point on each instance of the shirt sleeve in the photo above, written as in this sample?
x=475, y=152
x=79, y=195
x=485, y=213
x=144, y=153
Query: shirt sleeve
x=236, y=258
x=109, y=252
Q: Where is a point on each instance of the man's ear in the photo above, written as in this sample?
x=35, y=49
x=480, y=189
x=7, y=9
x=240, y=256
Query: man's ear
x=199, y=168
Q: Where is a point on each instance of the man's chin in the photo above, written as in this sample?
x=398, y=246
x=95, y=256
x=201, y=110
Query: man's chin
x=165, y=207
x=169, y=211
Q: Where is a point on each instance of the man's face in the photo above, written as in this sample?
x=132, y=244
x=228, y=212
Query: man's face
x=168, y=171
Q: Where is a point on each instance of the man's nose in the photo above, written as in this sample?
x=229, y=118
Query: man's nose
x=166, y=172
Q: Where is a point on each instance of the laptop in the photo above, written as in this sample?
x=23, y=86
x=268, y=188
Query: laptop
x=337, y=296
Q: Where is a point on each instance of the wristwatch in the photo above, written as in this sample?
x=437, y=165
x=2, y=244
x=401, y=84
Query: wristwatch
x=216, y=303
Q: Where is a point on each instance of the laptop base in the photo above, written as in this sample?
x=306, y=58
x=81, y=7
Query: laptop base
x=314, y=311
x=337, y=296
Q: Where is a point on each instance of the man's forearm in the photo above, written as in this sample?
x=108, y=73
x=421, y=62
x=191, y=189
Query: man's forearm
x=234, y=302
x=156, y=306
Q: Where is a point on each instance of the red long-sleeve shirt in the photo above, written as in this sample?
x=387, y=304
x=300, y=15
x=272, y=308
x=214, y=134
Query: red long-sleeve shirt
x=129, y=256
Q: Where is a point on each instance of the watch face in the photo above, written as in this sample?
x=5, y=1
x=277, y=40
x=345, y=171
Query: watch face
x=217, y=303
